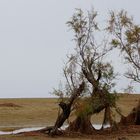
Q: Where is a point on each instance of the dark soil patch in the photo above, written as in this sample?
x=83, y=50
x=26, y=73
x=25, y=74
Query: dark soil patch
x=9, y=105
x=122, y=133
x=34, y=133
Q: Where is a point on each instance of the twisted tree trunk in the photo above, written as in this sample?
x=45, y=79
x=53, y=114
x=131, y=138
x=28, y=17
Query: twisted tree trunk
x=66, y=110
x=82, y=123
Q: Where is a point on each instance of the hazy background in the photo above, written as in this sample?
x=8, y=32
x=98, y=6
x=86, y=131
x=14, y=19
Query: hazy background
x=34, y=41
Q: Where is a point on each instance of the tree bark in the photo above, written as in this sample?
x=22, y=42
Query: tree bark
x=107, y=117
x=82, y=125
x=66, y=110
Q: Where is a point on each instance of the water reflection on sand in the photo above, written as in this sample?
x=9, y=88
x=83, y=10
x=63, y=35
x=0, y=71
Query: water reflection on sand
x=30, y=129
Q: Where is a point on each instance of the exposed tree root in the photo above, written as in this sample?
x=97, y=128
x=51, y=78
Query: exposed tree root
x=133, y=117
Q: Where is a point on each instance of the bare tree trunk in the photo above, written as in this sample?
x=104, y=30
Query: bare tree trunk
x=82, y=125
x=107, y=117
x=108, y=120
x=61, y=118
x=66, y=110
x=137, y=122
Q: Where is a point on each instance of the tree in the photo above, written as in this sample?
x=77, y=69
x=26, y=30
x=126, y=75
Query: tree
x=126, y=37
x=98, y=74
x=89, y=78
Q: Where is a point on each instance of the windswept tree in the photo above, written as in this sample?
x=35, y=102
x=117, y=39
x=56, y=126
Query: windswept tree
x=126, y=37
x=89, y=78
x=97, y=74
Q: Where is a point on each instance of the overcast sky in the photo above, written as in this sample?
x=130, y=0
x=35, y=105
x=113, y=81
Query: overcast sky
x=34, y=41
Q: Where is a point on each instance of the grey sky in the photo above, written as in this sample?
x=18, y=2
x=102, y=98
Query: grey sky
x=34, y=41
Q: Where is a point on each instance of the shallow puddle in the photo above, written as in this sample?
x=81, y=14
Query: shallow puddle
x=21, y=130
x=96, y=126
x=30, y=129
